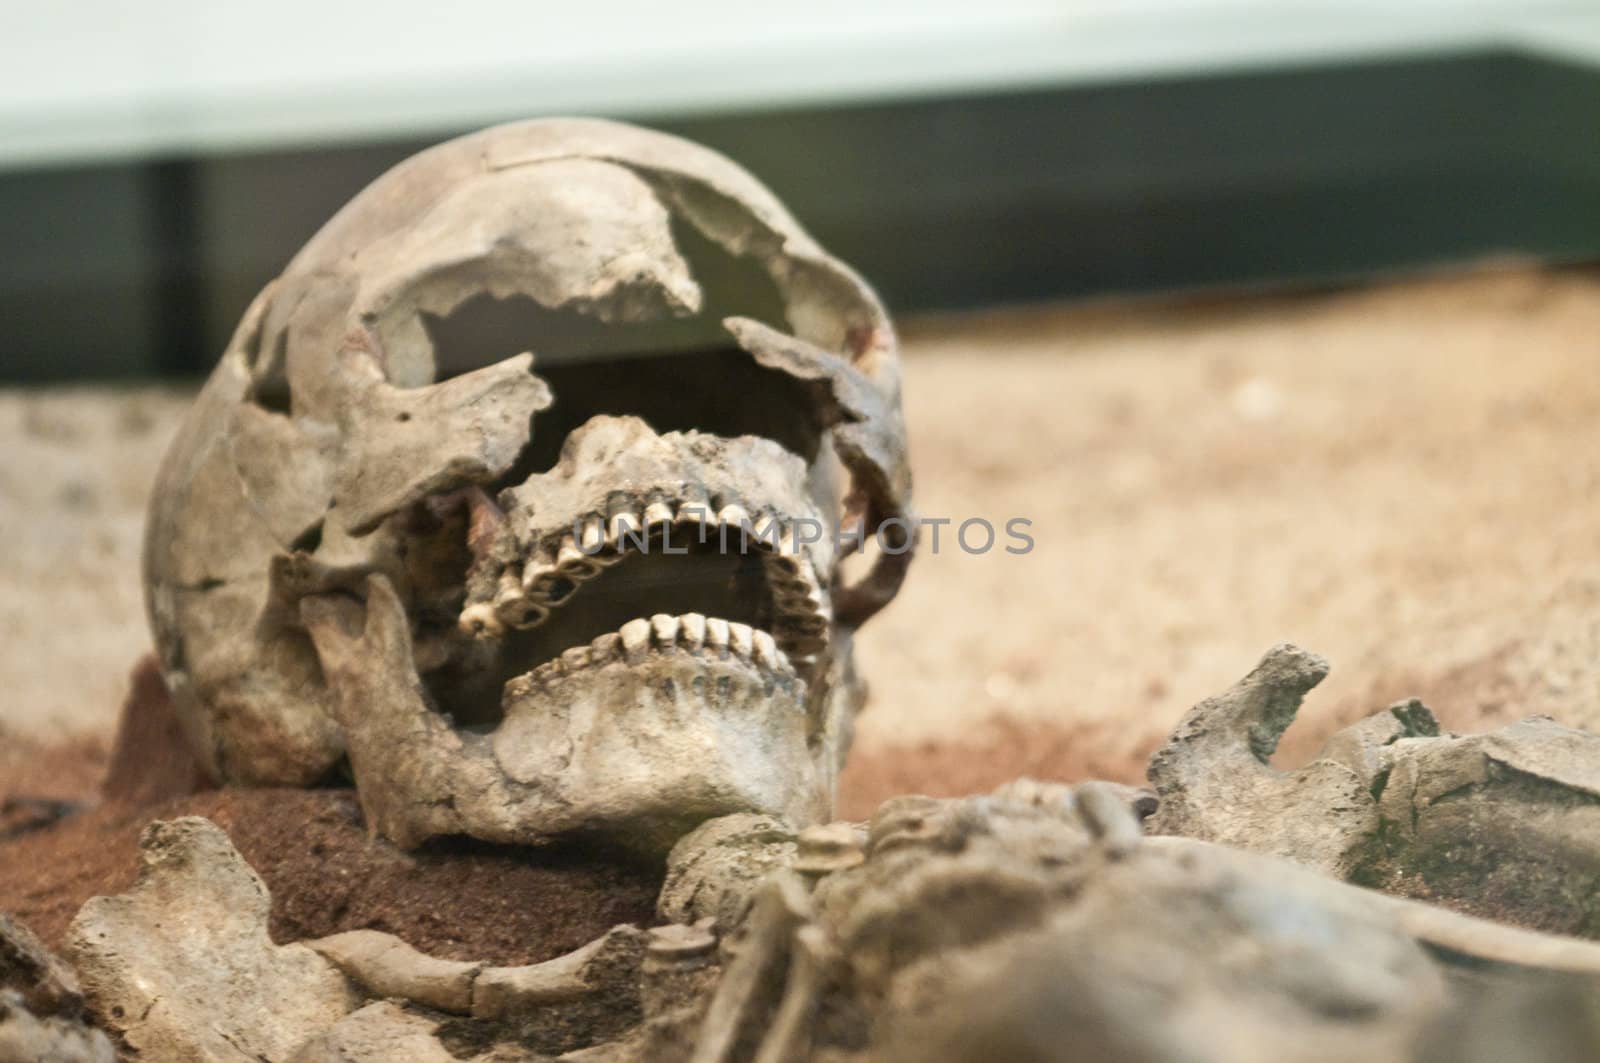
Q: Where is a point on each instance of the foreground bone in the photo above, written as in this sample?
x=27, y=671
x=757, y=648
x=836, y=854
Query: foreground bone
x=377, y=413
x=180, y=967
x=1035, y=924
x=1503, y=824
x=1015, y=925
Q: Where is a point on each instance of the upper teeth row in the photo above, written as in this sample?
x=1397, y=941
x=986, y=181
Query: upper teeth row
x=552, y=574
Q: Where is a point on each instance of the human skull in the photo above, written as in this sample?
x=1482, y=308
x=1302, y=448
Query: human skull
x=593, y=590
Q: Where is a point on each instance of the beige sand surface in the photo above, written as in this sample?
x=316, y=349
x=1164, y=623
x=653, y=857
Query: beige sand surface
x=1405, y=479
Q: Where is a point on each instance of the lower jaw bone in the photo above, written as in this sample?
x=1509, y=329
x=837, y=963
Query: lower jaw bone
x=634, y=752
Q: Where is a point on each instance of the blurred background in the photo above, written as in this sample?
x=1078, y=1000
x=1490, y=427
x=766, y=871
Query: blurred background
x=159, y=162
x=1276, y=318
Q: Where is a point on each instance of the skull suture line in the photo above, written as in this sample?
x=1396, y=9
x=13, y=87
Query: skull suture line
x=377, y=536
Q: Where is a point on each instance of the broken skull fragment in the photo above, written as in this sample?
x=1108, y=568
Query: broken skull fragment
x=388, y=535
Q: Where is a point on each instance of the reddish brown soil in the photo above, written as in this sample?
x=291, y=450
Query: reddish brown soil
x=461, y=901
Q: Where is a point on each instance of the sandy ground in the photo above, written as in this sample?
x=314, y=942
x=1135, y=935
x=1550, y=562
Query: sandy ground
x=1404, y=479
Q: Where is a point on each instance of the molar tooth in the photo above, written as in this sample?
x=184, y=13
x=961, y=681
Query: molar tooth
x=665, y=629
x=693, y=630
x=809, y=625
x=538, y=565
x=605, y=648
x=799, y=644
x=766, y=532
x=657, y=512
x=513, y=606
x=635, y=636
x=717, y=634
x=733, y=516
x=522, y=614
x=575, y=659
x=741, y=639
x=593, y=539
x=787, y=562
x=571, y=560
x=478, y=620
x=808, y=598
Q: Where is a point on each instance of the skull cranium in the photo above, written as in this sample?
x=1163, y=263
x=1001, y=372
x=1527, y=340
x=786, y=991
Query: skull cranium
x=497, y=582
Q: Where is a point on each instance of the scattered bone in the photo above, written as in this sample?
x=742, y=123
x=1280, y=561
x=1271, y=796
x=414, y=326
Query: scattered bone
x=1390, y=801
x=606, y=968
x=381, y=1032
x=180, y=966
x=388, y=967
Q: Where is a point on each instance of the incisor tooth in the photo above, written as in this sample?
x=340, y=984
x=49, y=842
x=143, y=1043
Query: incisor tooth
x=741, y=639
x=657, y=513
x=694, y=513
x=733, y=516
x=624, y=527
x=717, y=633
x=635, y=639
x=665, y=629
x=693, y=628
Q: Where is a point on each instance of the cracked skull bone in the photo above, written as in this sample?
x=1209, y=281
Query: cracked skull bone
x=508, y=490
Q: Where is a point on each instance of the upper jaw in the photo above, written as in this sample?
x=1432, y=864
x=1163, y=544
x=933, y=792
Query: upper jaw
x=628, y=510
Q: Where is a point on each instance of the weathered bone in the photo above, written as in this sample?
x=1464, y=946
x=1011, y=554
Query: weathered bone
x=400, y=445
x=179, y=966
x=531, y=781
x=1503, y=823
x=335, y=434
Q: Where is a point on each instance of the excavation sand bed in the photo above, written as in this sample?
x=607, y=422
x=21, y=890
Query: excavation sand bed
x=1403, y=478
